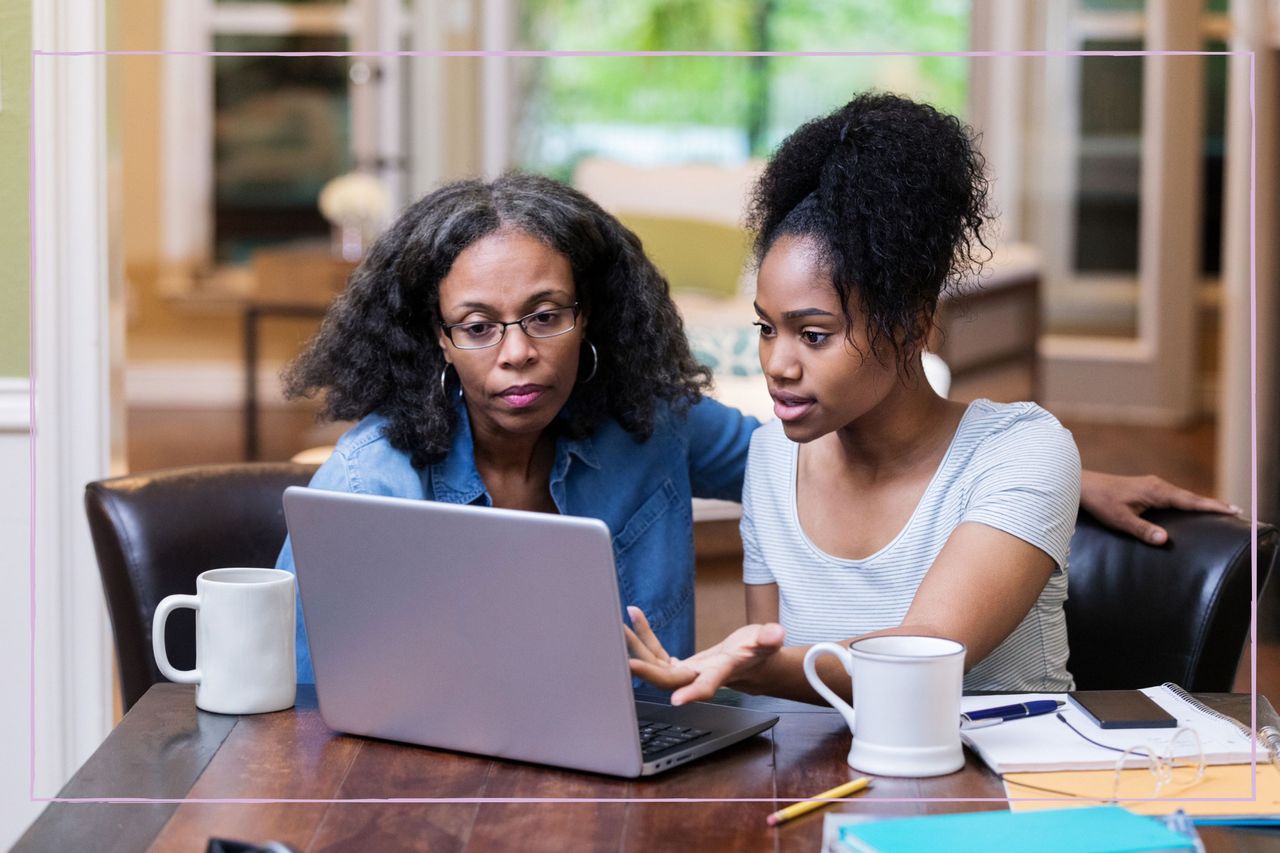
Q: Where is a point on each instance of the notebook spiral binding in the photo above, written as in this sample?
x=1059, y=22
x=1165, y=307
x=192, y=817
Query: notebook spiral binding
x=1268, y=737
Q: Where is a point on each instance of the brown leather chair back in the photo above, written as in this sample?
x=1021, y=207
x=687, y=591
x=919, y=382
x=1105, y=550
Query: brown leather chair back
x=155, y=532
x=1138, y=615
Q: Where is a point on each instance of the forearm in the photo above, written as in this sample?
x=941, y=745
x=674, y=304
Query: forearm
x=782, y=675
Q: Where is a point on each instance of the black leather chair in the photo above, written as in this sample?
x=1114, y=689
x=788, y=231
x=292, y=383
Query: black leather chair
x=155, y=532
x=1138, y=615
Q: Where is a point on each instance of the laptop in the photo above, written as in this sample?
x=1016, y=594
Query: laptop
x=490, y=631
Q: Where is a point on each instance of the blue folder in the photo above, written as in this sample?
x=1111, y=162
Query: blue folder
x=1100, y=829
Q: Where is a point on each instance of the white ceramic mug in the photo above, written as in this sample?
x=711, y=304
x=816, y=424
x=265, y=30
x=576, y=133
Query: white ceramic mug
x=244, y=640
x=907, y=692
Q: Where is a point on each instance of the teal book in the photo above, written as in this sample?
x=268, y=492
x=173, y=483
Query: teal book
x=1102, y=829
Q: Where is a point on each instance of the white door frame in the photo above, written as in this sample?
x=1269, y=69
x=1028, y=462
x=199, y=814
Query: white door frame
x=188, y=108
x=497, y=33
x=186, y=158
x=1245, y=403
x=1152, y=377
x=70, y=386
x=998, y=103
x=1247, y=410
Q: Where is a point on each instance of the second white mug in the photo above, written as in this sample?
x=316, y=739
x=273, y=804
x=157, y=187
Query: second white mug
x=906, y=690
x=244, y=640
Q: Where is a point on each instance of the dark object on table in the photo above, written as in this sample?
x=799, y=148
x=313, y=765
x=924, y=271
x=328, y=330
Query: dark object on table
x=222, y=845
x=1140, y=615
x=1122, y=709
x=155, y=532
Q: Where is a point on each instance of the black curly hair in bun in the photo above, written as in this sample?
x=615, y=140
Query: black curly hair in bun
x=892, y=195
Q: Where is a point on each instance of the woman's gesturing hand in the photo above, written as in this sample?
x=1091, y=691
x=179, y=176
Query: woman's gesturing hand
x=731, y=661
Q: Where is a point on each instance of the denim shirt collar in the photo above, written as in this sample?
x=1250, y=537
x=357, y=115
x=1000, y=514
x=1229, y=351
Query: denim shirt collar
x=455, y=478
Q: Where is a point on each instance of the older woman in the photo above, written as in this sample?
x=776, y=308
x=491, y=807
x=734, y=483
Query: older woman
x=509, y=344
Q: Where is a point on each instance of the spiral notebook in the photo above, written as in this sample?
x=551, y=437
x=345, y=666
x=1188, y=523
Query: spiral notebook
x=1061, y=741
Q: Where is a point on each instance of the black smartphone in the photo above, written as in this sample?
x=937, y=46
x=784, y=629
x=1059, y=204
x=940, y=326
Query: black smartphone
x=1122, y=709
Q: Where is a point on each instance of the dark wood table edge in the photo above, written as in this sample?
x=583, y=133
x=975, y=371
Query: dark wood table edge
x=62, y=824
x=75, y=820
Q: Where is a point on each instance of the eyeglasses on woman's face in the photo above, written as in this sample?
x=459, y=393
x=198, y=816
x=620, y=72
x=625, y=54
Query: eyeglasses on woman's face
x=482, y=334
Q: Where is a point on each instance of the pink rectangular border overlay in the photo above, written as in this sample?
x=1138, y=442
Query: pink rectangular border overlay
x=1253, y=401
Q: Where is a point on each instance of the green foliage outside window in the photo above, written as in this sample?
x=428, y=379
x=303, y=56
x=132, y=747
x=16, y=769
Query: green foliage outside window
x=742, y=105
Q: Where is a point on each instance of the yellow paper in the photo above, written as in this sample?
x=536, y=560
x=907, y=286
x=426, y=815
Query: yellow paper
x=1078, y=787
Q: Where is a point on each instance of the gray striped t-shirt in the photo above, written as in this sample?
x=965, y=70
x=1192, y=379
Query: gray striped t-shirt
x=1010, y=466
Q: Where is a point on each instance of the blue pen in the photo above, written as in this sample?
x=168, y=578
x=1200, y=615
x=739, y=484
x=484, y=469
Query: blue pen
x=991, y=716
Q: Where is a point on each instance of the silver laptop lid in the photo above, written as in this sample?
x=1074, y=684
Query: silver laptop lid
x=483, y=630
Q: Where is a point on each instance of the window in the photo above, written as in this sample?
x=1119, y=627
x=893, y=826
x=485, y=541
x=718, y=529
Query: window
x=282, y=128
x=250, y=140
x=1092, y=233
x=667, y=110
x=1109, y=159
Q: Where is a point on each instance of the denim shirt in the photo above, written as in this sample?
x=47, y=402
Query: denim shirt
x=641, y=490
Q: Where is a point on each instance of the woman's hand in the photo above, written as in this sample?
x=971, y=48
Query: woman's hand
x=733, y=660
x=1118, y=502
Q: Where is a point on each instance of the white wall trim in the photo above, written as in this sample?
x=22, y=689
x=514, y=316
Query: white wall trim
x=17, y=810
x=187, y=139
x=70, y=385
x=1248, y=335
x=1055, y=157
x=1172, y=186
x=15, y=405
x=497, y=30
x=1108, y=378
x=377, y=138
x=997, y=103
x=211, y=385
x=1157, y=378
x=1085, y=348
x=280, y=18
x=1107, y=25
x=431, y=28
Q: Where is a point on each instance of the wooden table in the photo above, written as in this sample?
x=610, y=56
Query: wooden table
x=165, y=749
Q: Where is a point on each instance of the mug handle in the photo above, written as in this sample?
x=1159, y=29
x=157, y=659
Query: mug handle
x=168, y=605
x=811, y=673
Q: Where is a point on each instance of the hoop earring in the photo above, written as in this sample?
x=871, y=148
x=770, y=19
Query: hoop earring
x=595, y=363
x=444, y=381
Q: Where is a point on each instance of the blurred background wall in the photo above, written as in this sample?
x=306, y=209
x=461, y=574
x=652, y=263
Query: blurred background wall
x=1110, y=169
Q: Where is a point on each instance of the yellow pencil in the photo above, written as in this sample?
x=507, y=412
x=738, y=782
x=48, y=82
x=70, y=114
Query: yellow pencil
x=817, y=802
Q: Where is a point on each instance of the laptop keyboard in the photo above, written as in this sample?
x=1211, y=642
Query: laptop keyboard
x=658, y=737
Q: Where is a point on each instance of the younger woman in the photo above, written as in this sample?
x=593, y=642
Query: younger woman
x=872, y=505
